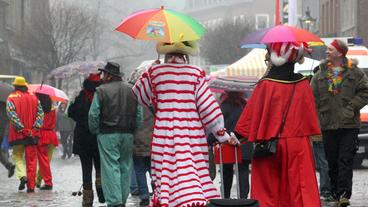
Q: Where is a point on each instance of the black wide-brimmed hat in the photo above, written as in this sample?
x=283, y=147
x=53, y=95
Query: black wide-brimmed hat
x=112, y=68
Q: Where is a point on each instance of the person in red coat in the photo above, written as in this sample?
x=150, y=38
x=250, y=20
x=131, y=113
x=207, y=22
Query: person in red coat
x=26, y=116
x=286, y=178
x=47, y=142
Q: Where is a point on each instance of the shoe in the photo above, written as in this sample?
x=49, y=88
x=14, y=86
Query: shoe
x=329, y=198
x=100, y=195
x=46, y=187
x=343, y=202
x=144, y=202
x=87, y=199
x=30, y=191
x=135, y=192
x=11, y=171
x=23, y=182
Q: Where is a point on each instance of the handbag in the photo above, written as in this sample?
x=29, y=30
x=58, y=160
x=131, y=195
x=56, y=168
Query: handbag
x=268, y=147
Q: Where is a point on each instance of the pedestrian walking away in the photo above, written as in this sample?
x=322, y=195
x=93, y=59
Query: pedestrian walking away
x=281, y=110
x=85, y=143
x=65, y=126
x=184, y=107
x=232, y=104
x=47, y=142
x=112, y=117
x=26, y=118
x=340, y=90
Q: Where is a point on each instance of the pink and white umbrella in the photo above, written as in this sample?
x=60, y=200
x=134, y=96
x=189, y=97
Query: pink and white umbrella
x=54, y=93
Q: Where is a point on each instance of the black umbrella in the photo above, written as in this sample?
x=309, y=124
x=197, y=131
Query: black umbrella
x=5, y=90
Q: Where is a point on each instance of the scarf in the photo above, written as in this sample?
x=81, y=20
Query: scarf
x=89, y=95
x=334, y=76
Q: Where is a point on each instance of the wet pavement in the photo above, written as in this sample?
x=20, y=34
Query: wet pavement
x=67, y=178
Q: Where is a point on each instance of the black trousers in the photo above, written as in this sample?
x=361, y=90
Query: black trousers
x=340, y=148
x=66, y=140
x=88, y=160
x=243, y=178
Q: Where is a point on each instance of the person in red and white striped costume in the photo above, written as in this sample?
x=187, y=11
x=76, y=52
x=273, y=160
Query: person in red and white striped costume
x=184, y=108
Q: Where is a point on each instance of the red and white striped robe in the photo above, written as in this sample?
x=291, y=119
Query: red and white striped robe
x=184, y=107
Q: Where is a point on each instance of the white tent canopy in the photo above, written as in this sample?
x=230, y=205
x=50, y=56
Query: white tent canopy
x=253, y=64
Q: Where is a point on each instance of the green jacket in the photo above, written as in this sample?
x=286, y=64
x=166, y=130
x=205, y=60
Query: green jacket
x=341, y=110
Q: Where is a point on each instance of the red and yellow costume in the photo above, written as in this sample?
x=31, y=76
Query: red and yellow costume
x=25, y=114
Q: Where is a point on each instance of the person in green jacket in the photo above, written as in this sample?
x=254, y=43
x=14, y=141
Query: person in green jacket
x=112, y=117
x=340, y=90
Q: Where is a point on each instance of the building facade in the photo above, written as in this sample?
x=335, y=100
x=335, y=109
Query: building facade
x=15, y=16
x=344, y=18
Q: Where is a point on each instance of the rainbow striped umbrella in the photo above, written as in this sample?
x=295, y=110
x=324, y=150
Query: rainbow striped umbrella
x=162, y=25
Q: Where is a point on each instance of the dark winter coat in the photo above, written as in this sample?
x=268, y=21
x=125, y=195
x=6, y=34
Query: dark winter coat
x=231, y=115
x=84, y=141
x=143, y=134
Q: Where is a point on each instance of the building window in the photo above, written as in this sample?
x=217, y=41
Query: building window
x=348, y=15
x=262, y=21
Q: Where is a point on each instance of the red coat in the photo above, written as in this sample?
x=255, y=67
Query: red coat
x=261, y=119
x=26, y=109
x=287, y=178
x=47, y=131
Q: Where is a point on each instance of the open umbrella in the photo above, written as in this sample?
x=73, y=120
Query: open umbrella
x=278, y=33
x=77, y=68
x=5, y=90
x=54, y=93
x=161, y=24
x=232, y=83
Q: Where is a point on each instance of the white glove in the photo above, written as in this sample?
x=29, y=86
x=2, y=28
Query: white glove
x=233, y=139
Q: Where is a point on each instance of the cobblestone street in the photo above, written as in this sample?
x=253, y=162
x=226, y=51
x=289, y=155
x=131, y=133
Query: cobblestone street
x=67, y=178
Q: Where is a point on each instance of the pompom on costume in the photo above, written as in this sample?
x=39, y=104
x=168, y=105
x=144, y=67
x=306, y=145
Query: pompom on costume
x=286, y=178
x=184, y=107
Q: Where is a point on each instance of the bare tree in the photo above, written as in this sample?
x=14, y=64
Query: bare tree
x=63, y=35
x=220, y=45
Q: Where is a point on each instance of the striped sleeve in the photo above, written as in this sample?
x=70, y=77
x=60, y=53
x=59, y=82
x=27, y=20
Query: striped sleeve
x=209, y=110
x=142, y=90
x=13, y=116
x=39, y=116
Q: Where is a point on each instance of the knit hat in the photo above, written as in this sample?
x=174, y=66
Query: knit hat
x=283, y=52
x=186, y=47
x=94, y=77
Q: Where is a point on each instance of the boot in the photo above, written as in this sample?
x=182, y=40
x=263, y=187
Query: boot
x=87, y=195
x=99, y=190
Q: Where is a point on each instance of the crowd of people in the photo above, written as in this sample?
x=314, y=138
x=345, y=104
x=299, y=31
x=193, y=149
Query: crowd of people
x=165, y=121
